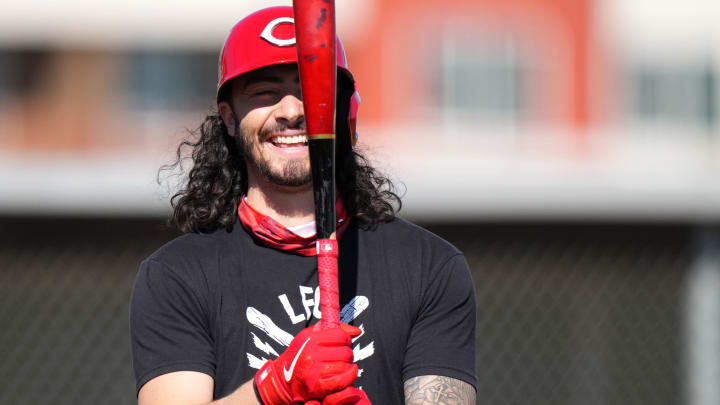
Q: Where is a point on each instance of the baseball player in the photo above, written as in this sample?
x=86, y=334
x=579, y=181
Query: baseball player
x=228, y=312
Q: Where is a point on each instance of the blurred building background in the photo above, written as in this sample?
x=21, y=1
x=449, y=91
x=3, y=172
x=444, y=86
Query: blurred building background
x=569, y=147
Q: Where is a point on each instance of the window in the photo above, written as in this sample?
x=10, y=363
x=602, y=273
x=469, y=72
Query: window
x=171, y=80
x=683, y=96
x=481, y=80
x=21, y=70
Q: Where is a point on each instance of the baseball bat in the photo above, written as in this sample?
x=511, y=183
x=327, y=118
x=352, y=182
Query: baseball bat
x=316, y=47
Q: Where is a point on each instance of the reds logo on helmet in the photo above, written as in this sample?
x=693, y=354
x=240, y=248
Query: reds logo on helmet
x=256, y=41
x=267, y=33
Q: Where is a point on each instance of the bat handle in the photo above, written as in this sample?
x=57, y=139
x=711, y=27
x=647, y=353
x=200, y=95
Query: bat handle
x=327, y=250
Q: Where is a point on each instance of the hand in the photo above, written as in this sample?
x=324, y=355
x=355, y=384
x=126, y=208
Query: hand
x=317, y=363
x=348, y=396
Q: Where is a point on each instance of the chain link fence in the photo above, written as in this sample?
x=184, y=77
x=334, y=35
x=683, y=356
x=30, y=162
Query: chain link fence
x=578, y=314
x=567, y=314
x=64, y=293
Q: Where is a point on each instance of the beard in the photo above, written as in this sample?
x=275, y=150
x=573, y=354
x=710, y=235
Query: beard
x=292, y=173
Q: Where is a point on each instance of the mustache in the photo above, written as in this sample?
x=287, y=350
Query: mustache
x=282, y=127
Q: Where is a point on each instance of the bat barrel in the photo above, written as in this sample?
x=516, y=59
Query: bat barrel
x=316, y=47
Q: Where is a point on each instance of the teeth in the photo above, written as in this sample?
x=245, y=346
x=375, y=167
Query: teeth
x=290, y=139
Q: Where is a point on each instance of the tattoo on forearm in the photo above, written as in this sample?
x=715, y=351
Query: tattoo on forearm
x=433, y=390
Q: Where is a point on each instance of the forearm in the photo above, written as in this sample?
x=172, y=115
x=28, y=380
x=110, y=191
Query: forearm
x=191, y=388
x=324, y=367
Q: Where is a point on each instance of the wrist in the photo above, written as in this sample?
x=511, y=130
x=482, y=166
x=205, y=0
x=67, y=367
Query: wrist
x=268, y=387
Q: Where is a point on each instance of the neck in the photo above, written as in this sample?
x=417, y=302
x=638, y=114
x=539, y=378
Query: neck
x=290, y=206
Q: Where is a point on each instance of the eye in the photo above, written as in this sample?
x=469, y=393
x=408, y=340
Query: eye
x=264, y=93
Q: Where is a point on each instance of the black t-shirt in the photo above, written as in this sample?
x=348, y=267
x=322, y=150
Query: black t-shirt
x=221, y=304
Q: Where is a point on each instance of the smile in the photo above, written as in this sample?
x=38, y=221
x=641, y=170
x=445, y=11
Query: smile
x=284, y=141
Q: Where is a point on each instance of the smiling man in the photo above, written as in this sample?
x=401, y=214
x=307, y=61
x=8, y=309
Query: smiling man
x=272, y=131
x=228, y=312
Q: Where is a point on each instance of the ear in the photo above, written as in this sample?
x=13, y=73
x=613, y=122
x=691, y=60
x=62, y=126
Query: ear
x=228, y=117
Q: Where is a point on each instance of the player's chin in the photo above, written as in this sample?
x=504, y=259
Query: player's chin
x=292, y=177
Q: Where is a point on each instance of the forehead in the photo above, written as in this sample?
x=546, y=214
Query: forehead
x=277, y=73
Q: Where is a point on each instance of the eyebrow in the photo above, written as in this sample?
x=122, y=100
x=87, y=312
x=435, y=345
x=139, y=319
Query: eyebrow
x=262, y=77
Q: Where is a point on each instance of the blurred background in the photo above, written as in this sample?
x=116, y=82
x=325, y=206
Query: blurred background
x=569, y=147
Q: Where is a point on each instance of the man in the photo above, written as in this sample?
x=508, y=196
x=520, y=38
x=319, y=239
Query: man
x=227, y=312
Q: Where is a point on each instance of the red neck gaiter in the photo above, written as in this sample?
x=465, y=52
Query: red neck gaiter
x=271, y=233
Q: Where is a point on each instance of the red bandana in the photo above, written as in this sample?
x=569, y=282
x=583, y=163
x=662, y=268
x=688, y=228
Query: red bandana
x=271, y=233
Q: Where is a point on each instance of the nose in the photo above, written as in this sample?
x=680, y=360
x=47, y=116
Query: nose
x=290, y=111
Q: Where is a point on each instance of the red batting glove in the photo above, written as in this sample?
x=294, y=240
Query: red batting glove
x=317, y=363
x=348, y=396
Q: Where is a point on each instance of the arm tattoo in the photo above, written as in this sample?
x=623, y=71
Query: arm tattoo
x=438, y=390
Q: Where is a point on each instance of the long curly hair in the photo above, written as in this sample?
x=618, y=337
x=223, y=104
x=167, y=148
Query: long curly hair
x=218, y=177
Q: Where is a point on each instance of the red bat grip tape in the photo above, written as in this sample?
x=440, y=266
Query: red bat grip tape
x=327, y=250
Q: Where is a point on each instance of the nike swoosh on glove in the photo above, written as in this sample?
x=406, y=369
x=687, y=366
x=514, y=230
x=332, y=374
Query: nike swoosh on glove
x=317, y=363
x=348, y=396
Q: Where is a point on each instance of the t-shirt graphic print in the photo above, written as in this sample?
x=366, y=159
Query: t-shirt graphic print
x=271, y=336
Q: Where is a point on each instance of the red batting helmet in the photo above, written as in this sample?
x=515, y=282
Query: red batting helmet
x=266, y=38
